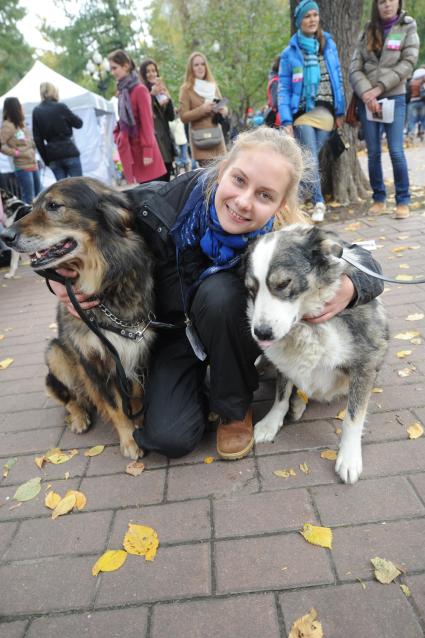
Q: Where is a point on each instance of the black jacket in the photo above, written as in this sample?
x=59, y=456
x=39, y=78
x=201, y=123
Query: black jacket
x=157, y=206
x=52, y=124
x=161, y=116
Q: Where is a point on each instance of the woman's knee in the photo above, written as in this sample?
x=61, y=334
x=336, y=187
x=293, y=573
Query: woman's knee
x=220, y=297
x=171, y=443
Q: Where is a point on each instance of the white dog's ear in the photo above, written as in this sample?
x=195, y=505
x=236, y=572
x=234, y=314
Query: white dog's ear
x=332, y=247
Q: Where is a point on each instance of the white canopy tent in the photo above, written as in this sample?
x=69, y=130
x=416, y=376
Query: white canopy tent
x=94, y=139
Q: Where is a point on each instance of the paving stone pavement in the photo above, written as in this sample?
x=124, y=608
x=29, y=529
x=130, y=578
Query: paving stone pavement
x=231, y=561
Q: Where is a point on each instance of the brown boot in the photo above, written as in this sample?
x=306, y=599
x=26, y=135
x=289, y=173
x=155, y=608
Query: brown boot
x=235, y=439
x=377, y=208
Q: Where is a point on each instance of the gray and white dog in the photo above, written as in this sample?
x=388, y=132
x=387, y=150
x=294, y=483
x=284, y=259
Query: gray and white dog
x=290, y=274
x=14, y=209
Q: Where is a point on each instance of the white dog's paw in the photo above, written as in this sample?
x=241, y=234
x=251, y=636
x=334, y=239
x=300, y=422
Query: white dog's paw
x=298, y=407
x=266, y=430
x=9, y=275
x=349, y=464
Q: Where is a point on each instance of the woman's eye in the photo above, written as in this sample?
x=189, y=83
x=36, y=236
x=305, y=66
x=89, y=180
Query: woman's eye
x=237, y=179
x=265, y=195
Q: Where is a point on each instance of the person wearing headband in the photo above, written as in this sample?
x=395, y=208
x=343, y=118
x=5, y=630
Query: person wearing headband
x=311, y=92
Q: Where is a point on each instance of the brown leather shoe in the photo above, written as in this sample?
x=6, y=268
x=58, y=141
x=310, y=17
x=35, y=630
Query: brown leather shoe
x=236, y=438
x=377, y=208
x=402, y=211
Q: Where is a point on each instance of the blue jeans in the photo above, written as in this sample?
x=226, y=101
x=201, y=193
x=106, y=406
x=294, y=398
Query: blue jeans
x=394, y=133
x=415, y=114
x=313, y=140
x=182, y=158
x=29, y=181
x=68, y=167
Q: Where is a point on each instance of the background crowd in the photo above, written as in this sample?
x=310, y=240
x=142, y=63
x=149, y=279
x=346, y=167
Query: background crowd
x=157, y=138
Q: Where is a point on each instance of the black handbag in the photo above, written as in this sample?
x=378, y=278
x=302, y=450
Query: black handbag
x=337, y=143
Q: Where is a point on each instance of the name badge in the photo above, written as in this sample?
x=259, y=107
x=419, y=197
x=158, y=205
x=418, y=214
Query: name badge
x=297, y=74
x=394, y=41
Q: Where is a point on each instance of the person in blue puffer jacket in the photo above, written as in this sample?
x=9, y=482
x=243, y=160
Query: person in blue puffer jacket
x=311, y=92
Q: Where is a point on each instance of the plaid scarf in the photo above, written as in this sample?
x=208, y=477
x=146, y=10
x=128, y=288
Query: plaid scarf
x=310, y=49
x=125, y=110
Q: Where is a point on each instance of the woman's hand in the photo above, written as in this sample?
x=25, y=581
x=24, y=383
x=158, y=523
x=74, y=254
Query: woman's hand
x=208, y=107
x=374, y=106
x=62, y=295
x=339, y=121
x=336, y=305
x=371, y=94
x=289, y=129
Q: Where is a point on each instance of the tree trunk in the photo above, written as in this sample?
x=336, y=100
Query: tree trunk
x=343, y=179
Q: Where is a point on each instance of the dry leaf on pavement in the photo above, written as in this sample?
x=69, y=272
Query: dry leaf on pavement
x=52, y=499
x=307, y=627
x=64, y=506
x=402, y=354
x=94, y=451
x=109, y=561
x=340, y=415
x=135, y=468
x=417, y=316
x=304, y=468
x=285, y=473
x=141, y=540
x=28, y=490
x=415, y=430
x=377, y=390
x=302, y=396
x=5, y=363
x=406, y=336
x=316, y=535
x=329, y=455
x=9, y=464
x=385, y=570
x=406, y=591
x=80, y=498
x=406, y=372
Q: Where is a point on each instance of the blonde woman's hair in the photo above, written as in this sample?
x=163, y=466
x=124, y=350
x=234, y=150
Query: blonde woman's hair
x=49, y=91
x=284, y=145
x=189, y=79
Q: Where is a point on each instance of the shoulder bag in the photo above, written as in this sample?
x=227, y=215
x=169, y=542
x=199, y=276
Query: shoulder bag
x=206, y=138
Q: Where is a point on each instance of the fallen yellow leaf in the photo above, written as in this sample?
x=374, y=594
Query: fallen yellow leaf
x=329, y=455
x=52, y=500
x=417, y=316
x=402, y=354
x=416, y=341
x=1, y=337
x=377, y=390
x=385, y=570
x=64, y=506
x=94, y=451
x=415, y=430
x=307, y=627
x=109, y=561
x=406, y=591
x=141, y=540
x=304, y=468
x=80, y=498
x=399, y=249
x=135, y=468
x=6, y=467
x=39, y=461
x=6, y=363
x=405, y=336
x=404, y=277
x=209, y=459
x=341, y=415
x=404, y=266
x=285, y=473
x=353, y=226
x=302, y=396
x=66, y=476
x=316, y=535
x=406, y=372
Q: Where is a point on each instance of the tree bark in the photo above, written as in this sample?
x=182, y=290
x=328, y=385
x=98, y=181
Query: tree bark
x=342, y=179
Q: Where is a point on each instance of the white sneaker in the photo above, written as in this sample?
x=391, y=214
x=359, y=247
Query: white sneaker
x=319, y=212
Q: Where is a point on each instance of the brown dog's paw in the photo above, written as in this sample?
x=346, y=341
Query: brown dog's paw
x=78, y=424
x=130, y=449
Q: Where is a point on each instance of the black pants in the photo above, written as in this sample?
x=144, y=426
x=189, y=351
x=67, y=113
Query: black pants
x=176, y=407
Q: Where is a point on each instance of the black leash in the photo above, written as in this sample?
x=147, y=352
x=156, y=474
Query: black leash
x=376, y=275
x=123, y=384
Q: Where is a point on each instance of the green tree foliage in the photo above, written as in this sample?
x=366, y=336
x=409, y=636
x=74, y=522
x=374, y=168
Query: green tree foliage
x=93, y=25
x=240, y=40
x=15, y=53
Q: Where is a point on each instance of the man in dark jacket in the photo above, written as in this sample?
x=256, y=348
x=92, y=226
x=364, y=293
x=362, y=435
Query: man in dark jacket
x=52, y=124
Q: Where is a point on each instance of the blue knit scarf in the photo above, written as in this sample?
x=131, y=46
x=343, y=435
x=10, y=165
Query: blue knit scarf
x=198, y=224
x=310, y=49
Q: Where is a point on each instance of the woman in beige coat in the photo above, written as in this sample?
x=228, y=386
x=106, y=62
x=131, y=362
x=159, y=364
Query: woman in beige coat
x=384, y=59
x=199, y=102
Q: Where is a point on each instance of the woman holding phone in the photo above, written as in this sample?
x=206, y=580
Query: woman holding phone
x=200, y=104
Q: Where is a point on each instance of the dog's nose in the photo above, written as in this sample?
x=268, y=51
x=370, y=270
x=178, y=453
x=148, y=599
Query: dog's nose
x=8, y=235
x=263, y=332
